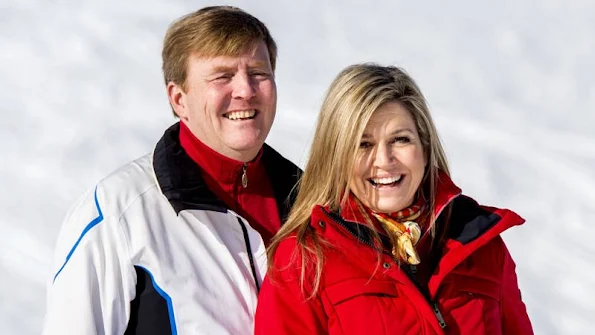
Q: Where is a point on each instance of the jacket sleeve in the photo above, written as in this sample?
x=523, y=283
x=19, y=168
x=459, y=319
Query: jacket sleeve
x=282, y=308
x=514, y=313
x=92, y=281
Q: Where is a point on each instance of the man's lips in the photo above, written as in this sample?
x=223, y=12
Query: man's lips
x=239, y=115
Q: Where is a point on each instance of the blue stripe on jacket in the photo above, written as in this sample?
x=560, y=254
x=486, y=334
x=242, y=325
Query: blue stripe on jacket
x=91, y=224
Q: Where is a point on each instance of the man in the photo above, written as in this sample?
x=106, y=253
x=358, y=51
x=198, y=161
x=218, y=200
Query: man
x=174, y=242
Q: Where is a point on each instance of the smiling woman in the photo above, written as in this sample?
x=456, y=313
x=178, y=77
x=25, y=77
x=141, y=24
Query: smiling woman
x=380, y=240
x=390, y=163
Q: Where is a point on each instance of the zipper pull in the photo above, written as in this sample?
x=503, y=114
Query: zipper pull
x=439, y=316
x=245, y=175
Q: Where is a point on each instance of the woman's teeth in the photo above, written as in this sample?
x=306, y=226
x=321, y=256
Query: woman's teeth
x=386, y=181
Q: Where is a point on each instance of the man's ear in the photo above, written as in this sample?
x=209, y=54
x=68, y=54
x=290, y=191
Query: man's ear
x=177, y=100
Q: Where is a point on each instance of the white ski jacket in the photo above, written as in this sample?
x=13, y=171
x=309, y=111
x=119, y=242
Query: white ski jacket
x=151, y=250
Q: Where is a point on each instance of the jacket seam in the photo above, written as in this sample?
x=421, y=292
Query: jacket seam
x=120, y=225
x=249, y=252
x=129, y=266
x=119, y=216
x=334, y=310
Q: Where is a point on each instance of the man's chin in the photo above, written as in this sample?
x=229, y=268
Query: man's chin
x=242, y=141
x=246, y=148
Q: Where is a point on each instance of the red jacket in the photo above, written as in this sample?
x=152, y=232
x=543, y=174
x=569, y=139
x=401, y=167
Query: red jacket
x=473, y=289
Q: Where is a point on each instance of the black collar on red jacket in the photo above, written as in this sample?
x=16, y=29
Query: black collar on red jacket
x=180, y=179
x=468, y=222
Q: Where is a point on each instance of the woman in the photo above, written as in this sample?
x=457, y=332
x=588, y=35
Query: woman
x=380, y=241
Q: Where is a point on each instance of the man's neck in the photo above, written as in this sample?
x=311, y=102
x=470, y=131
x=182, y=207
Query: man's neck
x=243, y=186
x=244, y=156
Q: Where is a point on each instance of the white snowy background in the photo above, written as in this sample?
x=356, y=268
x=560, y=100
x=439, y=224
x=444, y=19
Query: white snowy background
x=511, y=85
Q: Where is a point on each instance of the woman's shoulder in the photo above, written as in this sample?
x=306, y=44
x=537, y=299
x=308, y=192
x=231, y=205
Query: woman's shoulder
x=289, y=259
x=286, y=246
x=467, y=216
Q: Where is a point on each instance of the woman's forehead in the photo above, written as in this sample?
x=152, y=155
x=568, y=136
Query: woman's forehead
x=390, y=117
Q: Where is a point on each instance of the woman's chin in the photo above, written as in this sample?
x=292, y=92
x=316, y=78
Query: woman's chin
x=388, y=207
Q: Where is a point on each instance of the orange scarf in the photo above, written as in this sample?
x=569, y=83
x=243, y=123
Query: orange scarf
x=400, y=226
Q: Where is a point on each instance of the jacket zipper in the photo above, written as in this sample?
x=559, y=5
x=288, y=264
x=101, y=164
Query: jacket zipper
x=439, y=316
x=250, y=256
x=433, y=304
x=244, y=181
x=245, y=175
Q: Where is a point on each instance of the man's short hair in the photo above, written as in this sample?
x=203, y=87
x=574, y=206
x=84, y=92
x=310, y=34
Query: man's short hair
x=211, y=32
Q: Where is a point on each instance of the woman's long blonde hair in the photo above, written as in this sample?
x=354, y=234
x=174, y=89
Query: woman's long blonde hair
x=355, y=94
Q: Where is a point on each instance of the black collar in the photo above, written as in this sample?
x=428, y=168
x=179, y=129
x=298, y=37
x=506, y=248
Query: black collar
x=468, y=221
x=180, y=179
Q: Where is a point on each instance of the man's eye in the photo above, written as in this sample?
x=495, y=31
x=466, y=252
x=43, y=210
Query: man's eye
x=225, y=76
x=260, y=75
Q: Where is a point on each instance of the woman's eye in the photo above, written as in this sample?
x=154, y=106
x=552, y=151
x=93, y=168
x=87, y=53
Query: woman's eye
x=365, y=145
x=401, y=139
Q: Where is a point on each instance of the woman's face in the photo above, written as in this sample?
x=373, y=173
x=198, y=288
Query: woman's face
x=390, y=161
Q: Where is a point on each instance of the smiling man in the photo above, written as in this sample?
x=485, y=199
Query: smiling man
x=174, y=242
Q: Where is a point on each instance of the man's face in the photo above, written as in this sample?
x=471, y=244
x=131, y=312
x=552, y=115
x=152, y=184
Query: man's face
x=230, y=102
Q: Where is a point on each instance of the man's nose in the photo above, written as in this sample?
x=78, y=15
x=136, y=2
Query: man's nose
x=243, y=87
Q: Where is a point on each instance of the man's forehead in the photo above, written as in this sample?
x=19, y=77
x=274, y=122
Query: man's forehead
x=233, y=62
x=231, y=52
x=251, y=57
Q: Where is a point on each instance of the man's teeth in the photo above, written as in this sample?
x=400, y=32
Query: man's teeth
x=386, y=180
x=239, y=115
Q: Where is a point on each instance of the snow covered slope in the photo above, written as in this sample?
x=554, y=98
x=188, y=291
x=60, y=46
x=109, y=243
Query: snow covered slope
x=511, y=85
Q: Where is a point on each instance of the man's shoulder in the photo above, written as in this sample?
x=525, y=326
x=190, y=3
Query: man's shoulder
x=137, y=174
x=284, y=176
x=106, y=200
x=273, y=158
x=126, y=184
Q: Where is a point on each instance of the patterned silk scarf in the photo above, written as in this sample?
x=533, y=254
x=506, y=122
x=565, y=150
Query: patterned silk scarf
x=402, y=227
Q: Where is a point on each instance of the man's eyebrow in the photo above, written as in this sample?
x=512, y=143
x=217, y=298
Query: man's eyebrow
x=260, y=65
x=223, y=68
